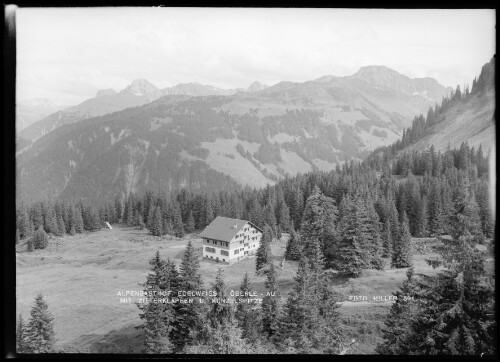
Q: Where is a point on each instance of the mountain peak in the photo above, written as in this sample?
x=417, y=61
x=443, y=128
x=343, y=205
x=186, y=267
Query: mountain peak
x=257, y=86
x=142, y=87
x=382, y=76
x=105, y=92
x=377, y=73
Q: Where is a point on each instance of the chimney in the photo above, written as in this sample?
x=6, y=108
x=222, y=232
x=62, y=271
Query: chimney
x=235, y=226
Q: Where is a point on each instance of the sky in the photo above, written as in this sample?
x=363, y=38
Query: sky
x=67, y=54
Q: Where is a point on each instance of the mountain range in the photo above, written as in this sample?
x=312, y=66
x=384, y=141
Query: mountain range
x=29, y=111
x=139, y=92
x=204, y=138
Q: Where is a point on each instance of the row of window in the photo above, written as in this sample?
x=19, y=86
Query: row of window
x=224, y=252
x=222, y=243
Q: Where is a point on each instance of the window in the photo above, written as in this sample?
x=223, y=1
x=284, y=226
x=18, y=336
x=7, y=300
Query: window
x=223, y=252
x=236, y=252
x=210, y=250
x=242, y=249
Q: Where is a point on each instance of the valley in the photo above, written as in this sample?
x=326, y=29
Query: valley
x=80, y=277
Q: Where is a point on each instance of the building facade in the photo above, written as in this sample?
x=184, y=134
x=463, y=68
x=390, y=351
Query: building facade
x=229, y=240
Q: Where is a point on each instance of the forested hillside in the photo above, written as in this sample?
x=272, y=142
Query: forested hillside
x=201, y=143
x=345, y=221
x=466, y=115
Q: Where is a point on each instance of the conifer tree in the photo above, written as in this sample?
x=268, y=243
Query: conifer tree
x=118, y=208
x=220, y=314
x=188, y=316
x=20, y=335
x=157, y=317
x=209, y=212
x=387, y=245
x=40, y=329
x=402, y=253
x=31, y=244
x=458, y=302
x=264, y=255
x=51, y=223
x=23, y=223
x=352, y=255
x=292, y=251
x=398, y=322
x=177, y=223
x=190, y=225
x=150, y=216
x=284, y=218
x=374, y=241
x=270, y=310
x=40, y=239
x=309, y=320
x=61, y=226
x=156, y=224
x=270, y=220
x=78, y=219
x=437, y=222
x=247, y=313
x=318, y=221
x=37, y=216
x=168, y=229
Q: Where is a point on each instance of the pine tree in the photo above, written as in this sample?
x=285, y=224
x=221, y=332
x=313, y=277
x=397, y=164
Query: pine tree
x=352, y=255
x=402, y=253
x=78, y=220
x=40, y=239
x=118, y=208
x=387, y=244
x=397, y=334
x=50, y=224
x=61, y=226
x=168, y=229
x=220, y=314
x=20, y=335
x=437, y=222
x=190, y=225
x=467, y=210
x=309, y=322
x=157, y=317
x=270, y=219
x=458, y=302
x=40, y=329
x=177, y=223
x=23, y=223
x=284, y=218
x=37, y=216
x=209, y=212
x=31, y=243
x=188, y=316
x=264, y=254
x=247, y=313
x=156, y=224
x=269, y=306
x=318, y=222
x=292, y=251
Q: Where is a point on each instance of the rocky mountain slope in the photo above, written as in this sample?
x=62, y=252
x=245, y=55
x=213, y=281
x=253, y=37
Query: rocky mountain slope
x=29, y=111
x=471, y=120
x=139, y=92
x=217, y=141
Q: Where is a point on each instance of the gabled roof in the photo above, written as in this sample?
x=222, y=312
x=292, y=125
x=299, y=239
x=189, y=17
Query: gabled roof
x=222, y=228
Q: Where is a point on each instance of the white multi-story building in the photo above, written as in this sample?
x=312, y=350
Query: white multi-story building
x=229, y=240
